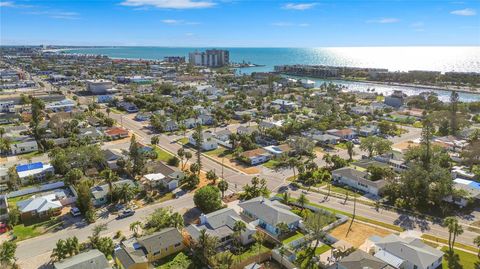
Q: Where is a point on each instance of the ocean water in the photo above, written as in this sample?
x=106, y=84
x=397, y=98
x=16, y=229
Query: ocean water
x=444, y=59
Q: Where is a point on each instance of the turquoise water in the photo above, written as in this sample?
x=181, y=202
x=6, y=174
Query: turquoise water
x=444, y=59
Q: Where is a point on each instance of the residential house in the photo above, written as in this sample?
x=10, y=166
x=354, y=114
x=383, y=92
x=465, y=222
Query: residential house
x=255, y=156
x=394, y=159
x=326, y=139
x=246, y=130
x=358, y=180
x=368, y=130
x=167, y=176
x=90, y=259
x=345, y=134
x=406, y=253
x=284, y=105
x=208, y=143
x=139, y=253
x=170, y=126
x=470, y=192
x=24, y=147
x=360, y=259
x=127, y=106
x=36, y=171
x=4, y=177
x=39, y=208
x=221, y=224
x=223, y=137
x=115, y=133
x=396, y=99
x=277, y=151
x=100, y=193
x=451, y=143
x=206, y=119
x=112, y=156
x=91, y=133
x=268, y=214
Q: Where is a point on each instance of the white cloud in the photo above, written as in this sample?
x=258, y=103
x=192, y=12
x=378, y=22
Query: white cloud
x=289, y=24
x=189, y=34
x=464, y=12
x=7, y=4
x=13, y=4
x=179, y=22
x=384, y=20
x=418, y=26
x=173, y=4
x=65, y=15
x=303, y=6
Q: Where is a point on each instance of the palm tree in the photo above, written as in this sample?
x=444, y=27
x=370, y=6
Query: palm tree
x=109, y=176
x=181, y=156
x=72, y=246
x=2, y=132
x=212, y=176
x=206, y=246
x=350, y=146
x=126, y=193
x=223, y=187
x=302, y=200
x=451, y=223
x=286, y=198
x=176, y=220
x=5, y=145
x=282, y=228
x=135, y=226
x=238, y=228
x=60, y=251
x=155, y=140
x=328, y=159
x=260, y=238
x=476, y=241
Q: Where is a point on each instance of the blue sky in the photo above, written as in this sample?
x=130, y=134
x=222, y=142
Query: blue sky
x=242, y=23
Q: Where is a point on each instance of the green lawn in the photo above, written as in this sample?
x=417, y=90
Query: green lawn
x=183, y=140
x=253, y=251
x=13, y=201
x=169, y=262
x=270, y=164
x=341, y=146
x=359, y=218
x=24, y=232
x=218, y=152
x=292, y=238
x=162, y=155
x=30, y=155
x=445, y=241
x=466, y=260
x=320, y=250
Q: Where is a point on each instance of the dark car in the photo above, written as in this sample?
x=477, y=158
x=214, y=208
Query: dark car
x=126, y=213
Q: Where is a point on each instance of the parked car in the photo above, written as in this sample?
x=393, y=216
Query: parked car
x=3, y=228
x=75, y=212
x=126, y=213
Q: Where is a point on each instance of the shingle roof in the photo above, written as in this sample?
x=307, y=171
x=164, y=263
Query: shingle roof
x=91, y=259
x=160, y=240
x=269, y=212
x=360, y=259
x=411, y=249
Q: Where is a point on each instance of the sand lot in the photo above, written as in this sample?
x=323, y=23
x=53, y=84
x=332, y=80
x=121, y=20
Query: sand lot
x=359, y=233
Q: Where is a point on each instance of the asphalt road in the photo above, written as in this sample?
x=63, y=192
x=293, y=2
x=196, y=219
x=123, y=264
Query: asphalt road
x=403, y=220
x=235, y=178
x=28, y=250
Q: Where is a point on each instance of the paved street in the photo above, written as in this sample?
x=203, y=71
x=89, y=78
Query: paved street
x=403, y=220
x=31, y=252
x=234, y=178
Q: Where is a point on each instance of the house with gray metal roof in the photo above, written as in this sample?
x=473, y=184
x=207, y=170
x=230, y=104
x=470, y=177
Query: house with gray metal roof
x=100, y=193
x=91, y=259
x=221, y=224
x=406, y=253
x=268, y=214
x=141, y=252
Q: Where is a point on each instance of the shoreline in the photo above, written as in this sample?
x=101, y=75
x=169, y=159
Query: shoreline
x=370, y=82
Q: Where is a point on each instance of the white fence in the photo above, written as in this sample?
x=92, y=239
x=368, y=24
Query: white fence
x=42, y=188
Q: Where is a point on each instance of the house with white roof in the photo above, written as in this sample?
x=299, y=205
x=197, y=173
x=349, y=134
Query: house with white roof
x=39, y=207
x=466, y=191
x=208, y=143
x=406, y=253
x=221, y=224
